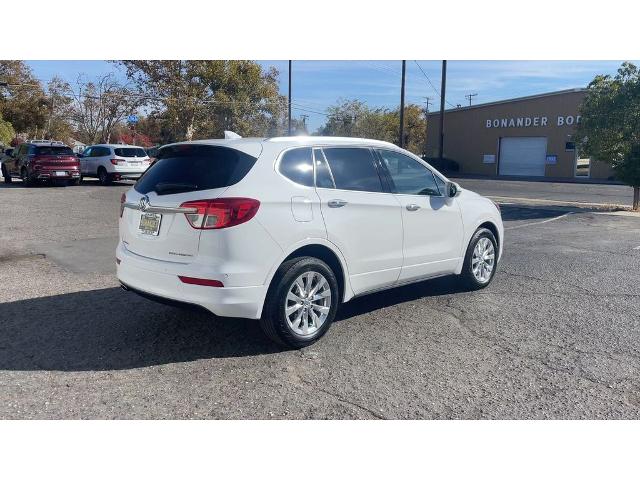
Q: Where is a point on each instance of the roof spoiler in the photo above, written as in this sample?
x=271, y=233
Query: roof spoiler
x=229, y=135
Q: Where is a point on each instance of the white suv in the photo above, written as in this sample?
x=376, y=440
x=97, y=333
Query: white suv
x=285, y=229
x=113, y=162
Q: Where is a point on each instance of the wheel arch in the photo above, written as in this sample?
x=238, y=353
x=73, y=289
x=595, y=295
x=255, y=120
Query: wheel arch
x=493, y=228
x=328, y=253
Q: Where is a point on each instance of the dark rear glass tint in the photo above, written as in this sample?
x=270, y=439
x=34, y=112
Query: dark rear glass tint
x=353, y=169
x=130, y=152
x=186, y=168
x=53, y=151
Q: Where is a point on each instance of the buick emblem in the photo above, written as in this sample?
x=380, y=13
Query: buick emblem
x=144, y=203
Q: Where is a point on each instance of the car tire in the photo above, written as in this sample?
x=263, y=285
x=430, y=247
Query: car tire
x=481, y=260
x=27, y=181
x=74, y=183
x=104, y=177
x=6, y=175
x=284, y=328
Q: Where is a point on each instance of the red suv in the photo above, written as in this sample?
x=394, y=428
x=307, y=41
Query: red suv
x=42, y=161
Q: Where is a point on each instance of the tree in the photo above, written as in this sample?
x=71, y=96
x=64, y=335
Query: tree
x=23, y=101
x=60, y=111
x=609, y=129
x=352, y=118
x=202, y=98
x=6, y=131
x=98, y=107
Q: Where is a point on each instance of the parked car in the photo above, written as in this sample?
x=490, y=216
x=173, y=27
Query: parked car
x=113, y=162
x=42, y=161
x=285, y=229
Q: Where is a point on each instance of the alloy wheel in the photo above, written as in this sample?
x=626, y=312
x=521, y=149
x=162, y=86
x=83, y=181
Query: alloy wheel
x=483, y=260
x=308, y=303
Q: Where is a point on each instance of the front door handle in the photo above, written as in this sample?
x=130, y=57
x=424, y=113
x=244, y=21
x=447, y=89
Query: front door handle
x=336, y=203
x=413, y=207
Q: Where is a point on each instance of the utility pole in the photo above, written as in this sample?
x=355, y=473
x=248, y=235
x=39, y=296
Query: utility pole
x=304, y=122
x=289, y=116
x=470, y=97
x=404, y=68
x=443, y=87
x=426, y=123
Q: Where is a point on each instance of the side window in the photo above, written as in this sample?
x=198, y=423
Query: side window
x=353, y=169
x=408, y=176
x=323, y=174
x=297, y=166
x=87, y=152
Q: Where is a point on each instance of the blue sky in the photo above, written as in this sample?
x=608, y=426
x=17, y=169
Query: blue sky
x=318, y=84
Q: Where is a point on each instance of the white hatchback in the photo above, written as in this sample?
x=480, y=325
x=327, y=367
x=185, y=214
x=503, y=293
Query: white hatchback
x=113, y=162
x=285, y=229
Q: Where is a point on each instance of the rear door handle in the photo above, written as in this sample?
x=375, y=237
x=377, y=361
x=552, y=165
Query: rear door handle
x=413, y=207
x=336, y=203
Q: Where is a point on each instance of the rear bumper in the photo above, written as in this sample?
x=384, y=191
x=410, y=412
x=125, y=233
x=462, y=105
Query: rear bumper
x=159, y=281
x=55, y=173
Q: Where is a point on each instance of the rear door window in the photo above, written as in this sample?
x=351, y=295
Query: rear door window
x=130, y=152
x=353, y=169
x=186, y=168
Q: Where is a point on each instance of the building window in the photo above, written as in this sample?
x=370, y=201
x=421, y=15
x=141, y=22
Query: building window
x=570, y=146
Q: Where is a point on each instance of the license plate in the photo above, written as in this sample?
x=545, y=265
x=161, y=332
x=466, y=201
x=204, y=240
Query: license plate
x=150, y=223
x=61, y=174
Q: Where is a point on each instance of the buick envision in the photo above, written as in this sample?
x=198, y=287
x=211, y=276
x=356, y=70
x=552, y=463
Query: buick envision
x=285, y=229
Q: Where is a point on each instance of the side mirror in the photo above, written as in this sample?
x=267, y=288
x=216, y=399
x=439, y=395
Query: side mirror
x=452, y=189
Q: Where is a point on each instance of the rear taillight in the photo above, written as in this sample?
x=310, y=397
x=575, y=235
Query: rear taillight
x=123, y=199
x=221, y=212
x=114, y=161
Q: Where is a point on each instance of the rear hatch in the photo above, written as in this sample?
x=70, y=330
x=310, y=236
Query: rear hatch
x=56, y=157
x=131, y=156
x=182, y=173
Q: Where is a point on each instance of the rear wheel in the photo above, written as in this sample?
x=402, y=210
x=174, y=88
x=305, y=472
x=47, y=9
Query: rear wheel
x=481, y=260
x=27, y=181
x=301, y=302
x=104, y=177
x=6, y=175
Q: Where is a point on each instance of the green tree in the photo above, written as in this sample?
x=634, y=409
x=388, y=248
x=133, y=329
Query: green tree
x=6, y=131
x=609, y=129
x=23, y=101
x=202, y=98
x=353, y=118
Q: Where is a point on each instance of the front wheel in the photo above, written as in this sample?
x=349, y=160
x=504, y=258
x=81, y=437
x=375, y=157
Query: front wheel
x=301, y=302
x=481, y=260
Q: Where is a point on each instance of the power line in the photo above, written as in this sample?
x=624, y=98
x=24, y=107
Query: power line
x=431, y=83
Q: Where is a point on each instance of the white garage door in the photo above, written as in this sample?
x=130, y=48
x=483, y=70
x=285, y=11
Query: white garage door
x=523, y=155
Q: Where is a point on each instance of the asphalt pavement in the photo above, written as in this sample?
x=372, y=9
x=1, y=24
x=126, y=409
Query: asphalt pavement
x=556, y=335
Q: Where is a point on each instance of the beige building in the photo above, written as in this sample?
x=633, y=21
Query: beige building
x=528, y=136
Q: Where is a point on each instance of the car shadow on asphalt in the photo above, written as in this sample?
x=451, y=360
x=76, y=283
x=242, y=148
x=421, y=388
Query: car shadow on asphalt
x=109, y=329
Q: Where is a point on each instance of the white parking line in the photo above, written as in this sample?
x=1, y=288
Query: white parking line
x=637, y=248
x=539, y=223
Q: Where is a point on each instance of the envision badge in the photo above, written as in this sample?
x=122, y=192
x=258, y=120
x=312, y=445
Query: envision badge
x=144, y=203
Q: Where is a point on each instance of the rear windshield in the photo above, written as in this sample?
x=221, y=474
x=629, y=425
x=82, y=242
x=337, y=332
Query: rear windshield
x=186, y=168
x=130, y=152
x=53, y=151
